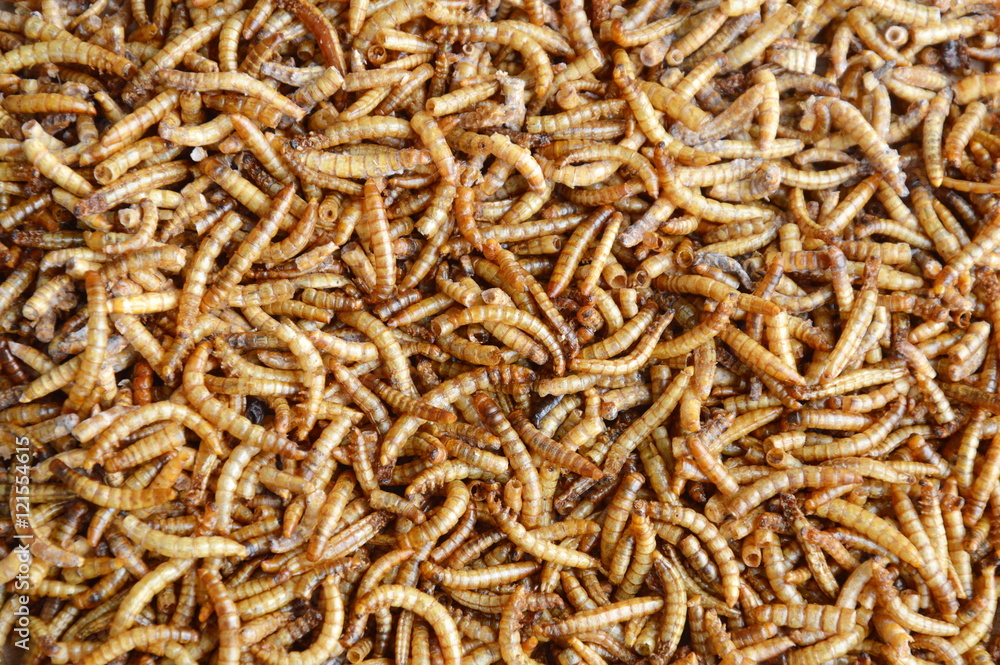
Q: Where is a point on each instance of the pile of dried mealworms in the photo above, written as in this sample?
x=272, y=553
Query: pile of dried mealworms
x=416, y=332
